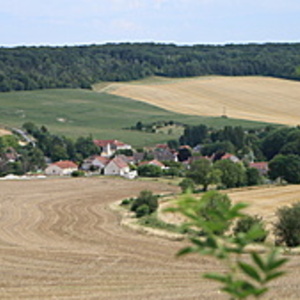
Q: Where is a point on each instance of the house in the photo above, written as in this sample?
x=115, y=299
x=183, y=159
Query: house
x=118, y=167
x=95, y=162
x=127, y=159
x=262, y=167
x=153, y=162
x=60, y=168
x=109, y=147
x=231, y=157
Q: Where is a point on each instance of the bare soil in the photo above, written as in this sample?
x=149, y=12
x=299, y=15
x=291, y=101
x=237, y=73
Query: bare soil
x=59, y=239
x=4, y=132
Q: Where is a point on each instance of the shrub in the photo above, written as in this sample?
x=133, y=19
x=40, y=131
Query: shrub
x=287, y=227
x=187, y=185
x=145, y=197
x=78, y=173
x=247, y=223
x=142, y=210
x=127, y=201
x=149, y=171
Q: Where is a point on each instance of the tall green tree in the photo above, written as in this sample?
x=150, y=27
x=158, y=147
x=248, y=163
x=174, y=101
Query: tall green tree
x=202, y=172
x=286, y=167
x=232, y=174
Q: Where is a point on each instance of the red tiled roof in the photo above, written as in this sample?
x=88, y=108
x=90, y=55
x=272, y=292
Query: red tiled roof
x=185, y=147
x=102, y=159
x=263, y=165
x=227, y=156
x=103, y=143
x=65, y=164
x=162, y=146
x=152, y=162
x=120, y=162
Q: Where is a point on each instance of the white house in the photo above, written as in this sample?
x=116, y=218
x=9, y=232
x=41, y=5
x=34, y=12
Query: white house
x=63, y=167
x=96, y=162
x=119, y=167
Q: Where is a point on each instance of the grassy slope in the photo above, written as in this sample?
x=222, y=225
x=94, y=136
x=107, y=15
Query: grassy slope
x=100, y=114
x=250, y=98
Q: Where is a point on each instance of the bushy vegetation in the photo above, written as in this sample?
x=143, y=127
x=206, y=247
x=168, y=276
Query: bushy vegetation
x=59, y=147
x=78, y=173
x=149, y=170
x=211, y=207
x=247, y=224
x=287, y=226
x=241, y=279
x=146, y=203
x=187, y=185
x=30, y=68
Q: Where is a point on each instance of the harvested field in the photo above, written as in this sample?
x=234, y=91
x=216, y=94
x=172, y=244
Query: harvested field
x=60, y=240
x=249, y=98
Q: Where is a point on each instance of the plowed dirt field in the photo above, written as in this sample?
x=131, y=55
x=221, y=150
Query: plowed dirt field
x=59, y=239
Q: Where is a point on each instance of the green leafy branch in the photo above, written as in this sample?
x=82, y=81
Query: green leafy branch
x=213, y=215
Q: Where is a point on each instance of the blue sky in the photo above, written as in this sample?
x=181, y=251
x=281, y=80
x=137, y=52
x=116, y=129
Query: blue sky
x=78, y=22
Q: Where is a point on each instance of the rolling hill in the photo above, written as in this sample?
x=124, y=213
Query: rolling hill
x=77, y=112
x=262, y=99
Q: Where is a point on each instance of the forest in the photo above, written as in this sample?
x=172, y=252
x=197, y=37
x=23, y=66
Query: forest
x=31, y=68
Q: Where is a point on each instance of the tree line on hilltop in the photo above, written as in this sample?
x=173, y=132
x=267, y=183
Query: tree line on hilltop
x=31, y=68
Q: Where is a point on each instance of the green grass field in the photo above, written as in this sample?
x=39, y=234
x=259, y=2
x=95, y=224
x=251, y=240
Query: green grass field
x=81, y=112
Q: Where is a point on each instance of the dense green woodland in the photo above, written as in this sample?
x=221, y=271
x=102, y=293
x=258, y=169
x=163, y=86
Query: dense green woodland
x=31, y=68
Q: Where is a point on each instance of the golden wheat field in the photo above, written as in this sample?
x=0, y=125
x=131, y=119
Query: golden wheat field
x=251, y=98
x=59, y=239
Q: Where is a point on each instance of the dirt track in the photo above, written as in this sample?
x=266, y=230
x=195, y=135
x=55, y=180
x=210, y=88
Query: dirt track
x=60, y=240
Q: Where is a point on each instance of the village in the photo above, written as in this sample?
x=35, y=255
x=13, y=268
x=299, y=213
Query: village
x=43, y=155
x=107, y=163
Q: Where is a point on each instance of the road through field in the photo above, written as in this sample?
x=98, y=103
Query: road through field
x=59, y=239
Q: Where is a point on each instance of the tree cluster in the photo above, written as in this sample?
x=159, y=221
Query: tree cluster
x=31, y=68
x=279, y=146
x=59, y=147
x=43, y=145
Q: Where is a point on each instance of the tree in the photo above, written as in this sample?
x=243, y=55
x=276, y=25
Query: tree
x=274, y=141
x=248, y=223
x=232, y=174
x=31, y=128
x=149, y=170
x=221, y=147
x=173, y=144
x=253, y=177
x=287, y=226
x=217, y=203
x=286, y=167
x=202, y=172
x=184, y=154
x=86, y=147
x=59, y=153
x=187, y=185
x=194, y=135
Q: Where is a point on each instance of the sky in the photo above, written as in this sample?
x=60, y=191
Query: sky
x=182, y=22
